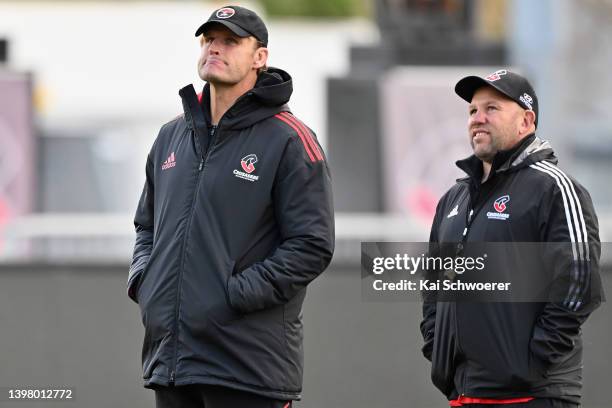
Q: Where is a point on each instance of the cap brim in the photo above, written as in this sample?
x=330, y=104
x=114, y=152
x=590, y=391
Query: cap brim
x=240, y=32
x=467, y=86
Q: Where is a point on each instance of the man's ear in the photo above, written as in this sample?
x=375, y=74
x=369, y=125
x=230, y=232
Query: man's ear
x=529, y=119
x=261, y=58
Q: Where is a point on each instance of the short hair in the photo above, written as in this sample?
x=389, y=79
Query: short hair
x=258, y=45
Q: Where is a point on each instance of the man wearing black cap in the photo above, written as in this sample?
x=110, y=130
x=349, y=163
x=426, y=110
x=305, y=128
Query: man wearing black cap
x=513, y=354
x=234, y=221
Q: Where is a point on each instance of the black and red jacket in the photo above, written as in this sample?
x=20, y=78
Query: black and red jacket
x=232, y=225
x=508, y=350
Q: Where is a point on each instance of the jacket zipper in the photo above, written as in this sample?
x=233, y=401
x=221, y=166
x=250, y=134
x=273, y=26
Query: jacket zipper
x=203, y=160
x=470, y=215
x=474, y=209
x=204, y=156
x=211, y=146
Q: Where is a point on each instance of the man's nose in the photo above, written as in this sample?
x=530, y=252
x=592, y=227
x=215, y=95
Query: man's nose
x=478, y=117
x=213, y=47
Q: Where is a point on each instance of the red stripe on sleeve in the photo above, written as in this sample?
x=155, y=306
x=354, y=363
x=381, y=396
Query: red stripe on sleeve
x=313, y=144
x=299, y=132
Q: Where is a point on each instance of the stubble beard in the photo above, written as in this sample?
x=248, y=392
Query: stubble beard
x=213, y=78
x=486, y=153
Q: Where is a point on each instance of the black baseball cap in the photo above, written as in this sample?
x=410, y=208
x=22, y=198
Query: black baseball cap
x=508, y=83
x=241, y=21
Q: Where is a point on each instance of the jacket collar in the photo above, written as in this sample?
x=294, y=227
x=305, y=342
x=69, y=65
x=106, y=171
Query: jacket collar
x=268, y=97
x=529, y=150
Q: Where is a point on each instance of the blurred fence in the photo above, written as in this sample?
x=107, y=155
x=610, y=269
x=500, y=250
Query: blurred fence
x=103, y=238
x=66, y=320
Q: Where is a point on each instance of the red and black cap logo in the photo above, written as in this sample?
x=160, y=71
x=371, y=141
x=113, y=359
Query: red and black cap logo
x=496, y=76
x=240, y=20
x=225, y=12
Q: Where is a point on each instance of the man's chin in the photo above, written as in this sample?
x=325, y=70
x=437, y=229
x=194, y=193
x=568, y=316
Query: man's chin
x=214, y=79
x=484, y=155
x=209, y=75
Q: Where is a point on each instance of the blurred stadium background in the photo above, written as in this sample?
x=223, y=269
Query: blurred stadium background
x=85, y=86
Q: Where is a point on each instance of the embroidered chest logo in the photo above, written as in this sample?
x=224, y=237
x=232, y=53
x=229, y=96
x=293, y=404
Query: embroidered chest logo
x=453, y=212
x=247, y=163
x=169, y=163
x=500, y=208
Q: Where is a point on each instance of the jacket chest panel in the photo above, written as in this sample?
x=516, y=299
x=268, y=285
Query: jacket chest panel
x=505, y=214
x=232, y=183
x=176, y=168
x=239, y=170
x=454, y=219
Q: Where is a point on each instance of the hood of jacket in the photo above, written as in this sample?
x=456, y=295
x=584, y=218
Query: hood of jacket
x=268, y=97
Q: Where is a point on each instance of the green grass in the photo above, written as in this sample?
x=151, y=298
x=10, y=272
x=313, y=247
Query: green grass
x=316, y=8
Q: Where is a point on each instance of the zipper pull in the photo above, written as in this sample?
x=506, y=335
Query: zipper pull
x=172, y=377
x=465, y=231
x=201, y=166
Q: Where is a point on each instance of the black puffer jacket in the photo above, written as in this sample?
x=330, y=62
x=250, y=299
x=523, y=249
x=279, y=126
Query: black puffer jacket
x=232, y=225
x=516, y=349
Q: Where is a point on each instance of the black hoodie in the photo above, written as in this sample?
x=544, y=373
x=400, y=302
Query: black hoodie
x=529, y=349
x=232, y=225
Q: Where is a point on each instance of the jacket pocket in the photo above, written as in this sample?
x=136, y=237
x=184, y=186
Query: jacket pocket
x=445, y=349
x=442, y=367
x=224, y=313
x=522, y=375
x=135, y=283
x=537, y=367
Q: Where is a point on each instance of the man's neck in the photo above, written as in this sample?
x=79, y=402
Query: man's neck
x=222, y=98
x=486, y=169
x=486, y=166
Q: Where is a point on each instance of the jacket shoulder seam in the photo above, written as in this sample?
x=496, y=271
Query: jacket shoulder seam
x=174, y=120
